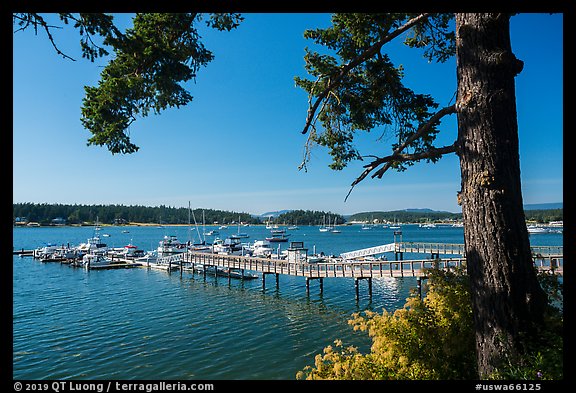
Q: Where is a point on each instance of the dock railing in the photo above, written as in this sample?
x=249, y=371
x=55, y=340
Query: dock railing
x=361, y=268
x=459, y=249
x=353, y=269
x=431, y=248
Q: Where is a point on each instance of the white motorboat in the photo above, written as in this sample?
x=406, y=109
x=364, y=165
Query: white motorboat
x=262, y=249
x=46, y=251
x=533, y=229
x=129, y=251
x=170, y=245
x=239, y=236
x=228, y=246
x=61, y=254
x=94, y=245
x=96, y=261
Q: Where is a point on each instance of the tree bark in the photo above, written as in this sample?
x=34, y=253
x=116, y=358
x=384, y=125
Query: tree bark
x=507, y=300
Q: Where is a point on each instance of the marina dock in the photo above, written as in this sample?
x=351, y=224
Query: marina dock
x=358, y=265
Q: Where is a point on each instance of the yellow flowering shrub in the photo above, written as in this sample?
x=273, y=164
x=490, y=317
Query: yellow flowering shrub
x=430, y=338
x=433, y=338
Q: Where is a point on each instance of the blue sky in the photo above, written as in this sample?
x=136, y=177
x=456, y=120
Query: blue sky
x=237, y=145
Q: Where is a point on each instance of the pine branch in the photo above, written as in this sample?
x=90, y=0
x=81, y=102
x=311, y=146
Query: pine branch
x=433, y=152
x=397, y=155
x=367, y=54
x=422, y=130
x=36, y=21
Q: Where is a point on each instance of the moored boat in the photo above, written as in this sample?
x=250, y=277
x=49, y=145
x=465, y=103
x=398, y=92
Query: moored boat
x=45, y=251
x=94, y=245
x=261, y=249
x=228, y=246
x=278, y=238
x=129, y=251
x=170, y=245
x=96, y=261
x=533, y=229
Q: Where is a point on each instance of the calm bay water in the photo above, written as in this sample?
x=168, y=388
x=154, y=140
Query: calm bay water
x=70, y=323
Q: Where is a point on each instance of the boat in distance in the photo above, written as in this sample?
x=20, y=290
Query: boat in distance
x=278, y=238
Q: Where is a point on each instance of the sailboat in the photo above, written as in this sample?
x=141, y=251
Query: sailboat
x=293, y=227
x=324, y=228
x=201, y=245
x=333, y=228
x=239, y=235
x=368, y=225
x=268, y=223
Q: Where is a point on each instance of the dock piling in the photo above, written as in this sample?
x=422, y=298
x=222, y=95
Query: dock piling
x=370, y=287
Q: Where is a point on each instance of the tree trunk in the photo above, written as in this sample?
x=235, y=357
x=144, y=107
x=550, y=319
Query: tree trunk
x=507, y=300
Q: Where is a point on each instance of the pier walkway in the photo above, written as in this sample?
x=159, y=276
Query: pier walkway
x=358, y=266
x=436, y=249
x=545, y=258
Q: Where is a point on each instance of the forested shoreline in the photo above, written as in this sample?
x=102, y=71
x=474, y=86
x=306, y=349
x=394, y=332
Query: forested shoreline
x=64, y=214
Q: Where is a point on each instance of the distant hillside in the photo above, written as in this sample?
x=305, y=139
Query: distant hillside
x=407, y=215
x=543, y=214
x=424, y=210
x=544, y=206
x=273, y=214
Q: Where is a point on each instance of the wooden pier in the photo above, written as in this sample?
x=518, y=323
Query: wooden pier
x=23, y=253
x=545, y=258
x=336, y=268
x=319, y=271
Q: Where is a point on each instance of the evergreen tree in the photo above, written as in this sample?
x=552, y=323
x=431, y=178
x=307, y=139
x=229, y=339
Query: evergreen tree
x=363, y=89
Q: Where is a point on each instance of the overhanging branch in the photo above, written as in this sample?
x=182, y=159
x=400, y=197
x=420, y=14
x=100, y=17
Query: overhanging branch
x=398, y=156
x=36, y=21
x=367, y=54
x=433, y=152
x=422, y=130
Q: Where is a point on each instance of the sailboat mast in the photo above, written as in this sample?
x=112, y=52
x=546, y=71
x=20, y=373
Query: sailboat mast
x=203, y=228
x=189, y=235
